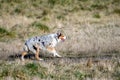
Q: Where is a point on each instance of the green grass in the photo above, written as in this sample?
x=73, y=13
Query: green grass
x=116, y=75
x=46, y=7
x=96, y=15
x=98, y=6
x=60, y=70
x=60, y=2
x=40, y=26
x=79, y=75
x=23, y=72
x=117, y=11
x=35, y=69
x=5, y=33
x=60, y=17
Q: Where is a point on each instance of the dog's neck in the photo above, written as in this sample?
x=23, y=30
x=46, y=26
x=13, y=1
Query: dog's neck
x=57, y=38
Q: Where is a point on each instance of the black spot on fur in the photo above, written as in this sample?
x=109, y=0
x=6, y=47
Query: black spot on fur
x=43, y=43
x=25, y=43
x=34, y=48
x=50, y=43
x=39, y=40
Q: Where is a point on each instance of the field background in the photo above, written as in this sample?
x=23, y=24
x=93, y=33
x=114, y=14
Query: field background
x=92, y=48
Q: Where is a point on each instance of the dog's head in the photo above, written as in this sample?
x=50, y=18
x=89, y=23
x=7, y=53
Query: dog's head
x=61, y=37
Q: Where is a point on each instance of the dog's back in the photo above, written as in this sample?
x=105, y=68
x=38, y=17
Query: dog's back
x=42, y=41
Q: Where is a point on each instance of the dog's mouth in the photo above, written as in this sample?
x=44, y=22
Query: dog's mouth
x=63, y=39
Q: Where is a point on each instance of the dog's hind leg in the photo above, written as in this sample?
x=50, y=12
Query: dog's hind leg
x=37, y=53
x=23, y=54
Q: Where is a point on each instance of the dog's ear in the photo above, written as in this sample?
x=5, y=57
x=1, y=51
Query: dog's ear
x=58, y=33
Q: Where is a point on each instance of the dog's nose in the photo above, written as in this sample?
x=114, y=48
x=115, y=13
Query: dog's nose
x=65, y=37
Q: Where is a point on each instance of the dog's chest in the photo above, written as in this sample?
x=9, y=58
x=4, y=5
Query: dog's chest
x=53, y=43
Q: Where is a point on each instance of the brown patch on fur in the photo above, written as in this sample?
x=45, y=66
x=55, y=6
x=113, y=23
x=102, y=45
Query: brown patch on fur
x=24, y=53
x=37, y=53
x=50, y=48
x=61, y=37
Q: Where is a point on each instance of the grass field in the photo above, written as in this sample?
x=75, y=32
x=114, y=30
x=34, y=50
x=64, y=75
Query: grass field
x=91, y=51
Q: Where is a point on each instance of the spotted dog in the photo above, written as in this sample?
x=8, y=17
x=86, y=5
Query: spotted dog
x=45, y=42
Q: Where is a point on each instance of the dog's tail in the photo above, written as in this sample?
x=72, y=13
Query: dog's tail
x=25, y=47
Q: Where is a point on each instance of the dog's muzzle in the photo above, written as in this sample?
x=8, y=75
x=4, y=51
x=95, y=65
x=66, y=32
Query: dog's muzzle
x=63, y=38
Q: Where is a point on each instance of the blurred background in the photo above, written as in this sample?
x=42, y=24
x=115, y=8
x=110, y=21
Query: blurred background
x=90, y=52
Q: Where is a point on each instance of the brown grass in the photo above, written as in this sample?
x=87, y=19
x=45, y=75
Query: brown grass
x=92, y=29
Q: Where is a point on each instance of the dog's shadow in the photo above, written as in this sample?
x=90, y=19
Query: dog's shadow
x=28, y=56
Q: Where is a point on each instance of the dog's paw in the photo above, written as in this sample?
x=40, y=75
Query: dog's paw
x=58, y=56
x=22, y=59
x=40, y=59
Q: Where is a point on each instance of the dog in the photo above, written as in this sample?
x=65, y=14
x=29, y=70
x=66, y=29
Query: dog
x=45, y=42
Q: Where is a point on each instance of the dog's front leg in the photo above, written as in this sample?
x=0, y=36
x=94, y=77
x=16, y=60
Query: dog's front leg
x=55, y=53
x=52, y=50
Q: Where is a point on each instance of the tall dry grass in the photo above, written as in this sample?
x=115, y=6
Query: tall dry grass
x=92, y=28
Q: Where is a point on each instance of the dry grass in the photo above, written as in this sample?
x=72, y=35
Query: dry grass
x=61, y=68
x=92, y=28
